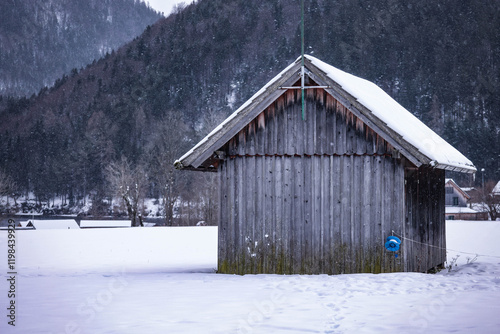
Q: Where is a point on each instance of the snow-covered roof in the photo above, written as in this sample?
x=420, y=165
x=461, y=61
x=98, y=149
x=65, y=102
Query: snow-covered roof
x=104, y=223
x=367, y=101
x=496, y=189
x=54, y=224
x=459, y=209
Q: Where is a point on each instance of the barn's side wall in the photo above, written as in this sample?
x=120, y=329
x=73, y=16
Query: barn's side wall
x=425, y=227
x=309, y=215
x=310, y=196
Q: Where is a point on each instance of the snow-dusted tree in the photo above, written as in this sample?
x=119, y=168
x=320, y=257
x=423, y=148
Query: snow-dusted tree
x=129, y=183
x=7, y=186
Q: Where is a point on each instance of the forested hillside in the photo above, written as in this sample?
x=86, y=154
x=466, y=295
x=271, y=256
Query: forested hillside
x=40, y=41
x=145, y=104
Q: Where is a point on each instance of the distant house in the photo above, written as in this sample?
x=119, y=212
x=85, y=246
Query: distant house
x=455, y=196
x=457, y=202
x=24, y=225
x=316, y=184
x=46, y=224
x=496, y=190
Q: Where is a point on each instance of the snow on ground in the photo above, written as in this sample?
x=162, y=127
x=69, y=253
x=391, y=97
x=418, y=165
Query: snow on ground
x=161, y=280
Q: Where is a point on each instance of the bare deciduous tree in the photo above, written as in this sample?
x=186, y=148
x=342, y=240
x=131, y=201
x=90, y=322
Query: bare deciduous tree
x=129, y=183
x=488, y=200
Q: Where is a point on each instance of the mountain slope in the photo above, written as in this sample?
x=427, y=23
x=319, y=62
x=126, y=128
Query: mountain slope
x=42, y=40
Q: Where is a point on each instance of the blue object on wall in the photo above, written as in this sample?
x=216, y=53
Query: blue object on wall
x=392, y=243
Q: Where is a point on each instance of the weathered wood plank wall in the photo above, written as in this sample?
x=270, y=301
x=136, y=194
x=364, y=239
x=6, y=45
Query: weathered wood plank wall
x=308, y=215
x=425, y=219
x=313, y=196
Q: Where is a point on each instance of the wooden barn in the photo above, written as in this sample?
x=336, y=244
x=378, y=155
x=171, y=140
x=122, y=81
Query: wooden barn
x=316, y=186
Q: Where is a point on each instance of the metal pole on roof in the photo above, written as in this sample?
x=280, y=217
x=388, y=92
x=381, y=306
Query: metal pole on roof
x=302, y=51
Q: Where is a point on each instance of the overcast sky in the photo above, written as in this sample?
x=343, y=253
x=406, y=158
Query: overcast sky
x=165, y=6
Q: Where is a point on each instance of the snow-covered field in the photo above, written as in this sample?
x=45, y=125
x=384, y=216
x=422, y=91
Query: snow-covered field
x=162, y=280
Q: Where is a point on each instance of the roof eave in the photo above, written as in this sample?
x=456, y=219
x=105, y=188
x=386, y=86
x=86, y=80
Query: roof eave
x=453, y=168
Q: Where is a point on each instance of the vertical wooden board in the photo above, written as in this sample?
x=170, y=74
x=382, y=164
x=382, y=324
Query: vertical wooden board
x=423, y=219
x=389, y=204
x=248, y=202
x=431, y=177
x=317, y=217
x=250, y=138
x=280, y=222
x=307, y=220
x=297, y=215
x=367, y=216
x=222, y=242
x=231, y=204
x=341, y=134
x=310, y=124
x=280, y=131
x=350, y=139
x=441, y=253
x=311, y=215
x=437, y=216
x=291, y=136
x=258, y=134
x=408, y=246
x=442, y=219
x=336, y=213
x=259, y=216
x=231, y=147
x=269, y=131
x=304, y=136
x=345, y=213
x=273, y=133
x=378, y=194
x=362, y=142
x=430, y=223
x=241, y=142
x=286, y=132
x=321, y=140
x=309, y=187
x=327, y=210
x=331, y=132
x=240, y=214
x=415, y=223
x=269, y=215
x=370, y=145
x=399, y=210
x=356, y=245
x=287, y=217
x=385, y=214
x=278, y=230
x=443, y=222
x=235, y=220
x=233, y=199
x=297, y=130
x=325, y=215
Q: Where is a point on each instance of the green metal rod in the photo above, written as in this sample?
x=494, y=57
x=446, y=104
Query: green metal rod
x=302, y=51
